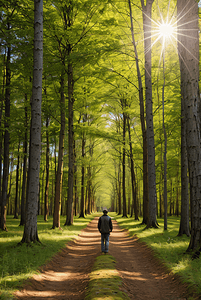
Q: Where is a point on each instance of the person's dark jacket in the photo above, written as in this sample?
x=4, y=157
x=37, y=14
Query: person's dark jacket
x=105, y=224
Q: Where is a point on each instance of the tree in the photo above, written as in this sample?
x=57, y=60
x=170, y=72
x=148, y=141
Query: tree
x=30, y=228
x=188, y=48
x=184, y=221
x=143, y=127
x=146, y=9
x=6, y=135
x=59, y=173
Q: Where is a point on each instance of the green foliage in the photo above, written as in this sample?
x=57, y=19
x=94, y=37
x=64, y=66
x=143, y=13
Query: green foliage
x=169, y=248
x=20, y=262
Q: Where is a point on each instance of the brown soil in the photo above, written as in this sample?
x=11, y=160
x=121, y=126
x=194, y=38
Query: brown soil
x=66, y=276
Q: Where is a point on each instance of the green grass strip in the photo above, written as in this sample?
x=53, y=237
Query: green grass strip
x=104, y=280
x=169, y=248
x=18, y=263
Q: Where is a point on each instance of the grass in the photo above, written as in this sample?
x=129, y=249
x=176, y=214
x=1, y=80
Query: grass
x=17, y=263
x=104, y=280
x=169, y=248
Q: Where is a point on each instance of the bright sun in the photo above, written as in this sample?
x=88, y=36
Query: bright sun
x=166, y=30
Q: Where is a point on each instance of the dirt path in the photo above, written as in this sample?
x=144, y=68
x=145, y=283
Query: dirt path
x=66, y=276
x=143, y=277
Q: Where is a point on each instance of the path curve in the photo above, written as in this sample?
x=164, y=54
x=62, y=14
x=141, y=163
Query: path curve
x=67, y=275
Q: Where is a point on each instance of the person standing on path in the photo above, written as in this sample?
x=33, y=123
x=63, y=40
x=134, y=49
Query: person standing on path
x=105, y=227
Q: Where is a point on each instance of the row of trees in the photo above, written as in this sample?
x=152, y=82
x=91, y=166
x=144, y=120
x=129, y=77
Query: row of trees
x=113, y=119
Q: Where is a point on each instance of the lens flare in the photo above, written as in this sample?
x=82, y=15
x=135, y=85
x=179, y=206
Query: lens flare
x=166, y=30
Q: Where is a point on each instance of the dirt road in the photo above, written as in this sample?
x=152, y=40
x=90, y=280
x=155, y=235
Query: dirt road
x=66, y=276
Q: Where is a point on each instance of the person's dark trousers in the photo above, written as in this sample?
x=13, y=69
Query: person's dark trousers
x=105, y=242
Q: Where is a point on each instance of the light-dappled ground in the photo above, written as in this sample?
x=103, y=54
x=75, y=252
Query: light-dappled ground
x=67, y=275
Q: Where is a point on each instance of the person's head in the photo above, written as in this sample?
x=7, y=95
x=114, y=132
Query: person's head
x=105, y=211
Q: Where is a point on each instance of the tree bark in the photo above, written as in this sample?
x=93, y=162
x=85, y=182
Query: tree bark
x=59, y=173
x=30, y=228
x=149, y=113
x=143, y=128
x=133, y=179
x=124, y=167
x=82, y=180
x=69, y=213
x=1, y=134
x=6, y=140
x=24, y=178
x=46, y=207
x=165, y=149
x=17, y=185
x=188, y=48
x=75, y=181
x=184, y=221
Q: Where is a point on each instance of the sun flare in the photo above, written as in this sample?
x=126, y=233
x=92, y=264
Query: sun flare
x=166, y=30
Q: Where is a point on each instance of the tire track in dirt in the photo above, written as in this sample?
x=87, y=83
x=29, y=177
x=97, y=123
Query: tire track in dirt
x=66, y=276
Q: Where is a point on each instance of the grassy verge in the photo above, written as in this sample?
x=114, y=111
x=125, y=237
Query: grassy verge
x=18, y=263
x=104, y=281
x=169, y=248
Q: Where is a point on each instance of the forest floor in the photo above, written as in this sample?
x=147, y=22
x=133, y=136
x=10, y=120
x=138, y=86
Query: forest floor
x=66, y=276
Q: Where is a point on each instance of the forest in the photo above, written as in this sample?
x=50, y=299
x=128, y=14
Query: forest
x=100, y=107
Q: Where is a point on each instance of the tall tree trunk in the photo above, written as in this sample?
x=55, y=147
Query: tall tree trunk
x=46, y=207
x=184, y=221
x=143, y=128
x=75, y=181
x=165, y=148
x=133, y=180
x=6, y=140
x=30, y=228
x=82, y=180
x=89, y=209
x=1, y=134
x=59, y=173
x=188, y=48
x=24, y=179
x=124, y=167
x=69, y=213
x=119, y=189
x=17, y=184
x=149, y=113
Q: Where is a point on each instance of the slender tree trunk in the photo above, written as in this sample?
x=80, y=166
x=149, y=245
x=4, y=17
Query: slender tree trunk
x=6, y=140
x=59, y=173
x=30, y=228
x=46, y=207
x=149, y=113
x=133, y=180
x=69, y=213
x=143, y=127
x=10, y=204
x=24, y=179
x=75, y=181
x=82, y=180
x=119, y=189
x=89, y=190
x=124, y=167
x=1, y=134
x=17, y=185
x=165, y=148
